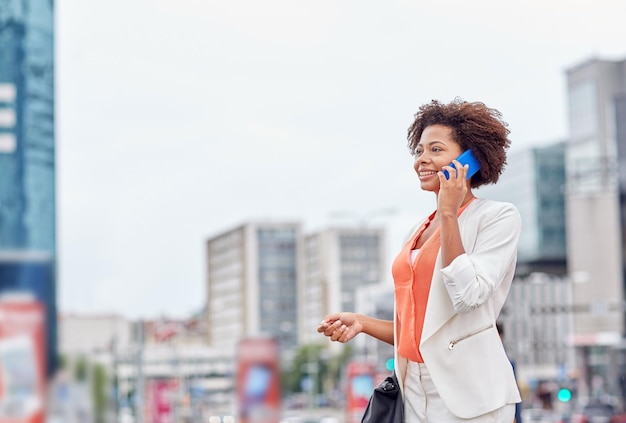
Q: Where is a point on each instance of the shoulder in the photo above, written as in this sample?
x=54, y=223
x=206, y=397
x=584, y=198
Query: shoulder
x=485, y=210
x=484, y=206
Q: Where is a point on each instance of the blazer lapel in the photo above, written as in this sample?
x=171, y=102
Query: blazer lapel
x=439, y=308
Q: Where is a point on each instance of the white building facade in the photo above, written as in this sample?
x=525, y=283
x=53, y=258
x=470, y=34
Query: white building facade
x=342, y=267
x=252, y=286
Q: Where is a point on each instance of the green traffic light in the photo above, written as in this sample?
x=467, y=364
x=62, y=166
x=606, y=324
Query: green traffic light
x=564, y=395
x=390, y=364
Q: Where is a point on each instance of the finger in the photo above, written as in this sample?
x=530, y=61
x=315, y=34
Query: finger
x=345, y=336
x=451, y=173
x=324, y=324
x=337, y=334
x=331, y=329
x=461, y=169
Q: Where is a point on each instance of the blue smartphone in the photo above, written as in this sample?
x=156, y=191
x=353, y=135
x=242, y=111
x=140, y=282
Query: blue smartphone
x=466, y=158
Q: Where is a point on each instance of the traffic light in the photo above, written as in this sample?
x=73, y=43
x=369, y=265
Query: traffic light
x=390, y=365
x=564, y=395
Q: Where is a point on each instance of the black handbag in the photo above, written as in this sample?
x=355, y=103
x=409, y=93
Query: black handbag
x=386, y=404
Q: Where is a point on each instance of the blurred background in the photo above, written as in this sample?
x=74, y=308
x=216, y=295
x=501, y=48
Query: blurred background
x=187, y=188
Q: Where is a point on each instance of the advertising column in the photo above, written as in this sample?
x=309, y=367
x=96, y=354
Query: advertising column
x=258, y=380
x=360, y=378
x=22, y=361
x=160, y=394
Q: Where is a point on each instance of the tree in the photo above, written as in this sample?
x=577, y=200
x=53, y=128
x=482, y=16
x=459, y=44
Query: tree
x=99, y=392
x=313, y=361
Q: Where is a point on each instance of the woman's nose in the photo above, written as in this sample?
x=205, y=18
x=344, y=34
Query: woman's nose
x=422, y=158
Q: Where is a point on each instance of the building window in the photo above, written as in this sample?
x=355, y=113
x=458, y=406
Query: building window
x=583, y=110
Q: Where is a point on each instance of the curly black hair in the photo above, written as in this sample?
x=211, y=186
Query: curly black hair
x=474, y=126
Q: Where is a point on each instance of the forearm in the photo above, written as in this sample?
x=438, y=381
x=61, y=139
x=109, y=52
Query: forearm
x=377, y=328
x=451, y=244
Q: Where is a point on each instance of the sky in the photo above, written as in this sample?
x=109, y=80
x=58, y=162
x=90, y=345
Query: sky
x=178, y=120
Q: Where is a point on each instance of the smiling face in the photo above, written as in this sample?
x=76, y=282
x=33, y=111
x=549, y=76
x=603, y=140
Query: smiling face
x=436, y=148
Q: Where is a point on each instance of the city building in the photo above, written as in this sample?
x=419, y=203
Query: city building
x=534, y=180
x=86, y=334
x=538, y=320
x=537, y=315
x=596, y=212
x=163, y=355
x=581, y=303
x=252, y=285
x=376, y=300
x=345, y=269
x=27, y=156
x=337, y=263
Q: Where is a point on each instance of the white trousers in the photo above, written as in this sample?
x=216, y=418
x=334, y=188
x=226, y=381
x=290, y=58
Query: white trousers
x=422, y=403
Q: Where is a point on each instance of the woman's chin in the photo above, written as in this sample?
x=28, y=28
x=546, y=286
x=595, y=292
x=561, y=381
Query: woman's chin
x=430, y=186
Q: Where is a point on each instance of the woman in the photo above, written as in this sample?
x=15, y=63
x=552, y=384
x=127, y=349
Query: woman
x=452, y=276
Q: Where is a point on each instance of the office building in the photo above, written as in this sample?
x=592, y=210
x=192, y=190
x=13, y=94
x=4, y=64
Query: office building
x=596, y=210
x=534, y=180
x=538, y=321
x=27, y=156
x=341, y=264
x=253, y=273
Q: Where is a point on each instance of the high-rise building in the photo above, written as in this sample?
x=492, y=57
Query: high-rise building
x=253, y=273
x=340, y=264
x=596, y=215
x=27, y=155
x=534, y=180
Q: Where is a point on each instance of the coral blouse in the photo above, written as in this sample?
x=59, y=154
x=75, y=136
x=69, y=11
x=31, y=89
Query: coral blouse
x=412, y=285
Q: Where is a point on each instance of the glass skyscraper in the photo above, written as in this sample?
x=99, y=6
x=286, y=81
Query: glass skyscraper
x=27, y=155
x=534, y=180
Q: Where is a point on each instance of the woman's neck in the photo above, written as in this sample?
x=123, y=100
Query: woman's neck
x=468, y=197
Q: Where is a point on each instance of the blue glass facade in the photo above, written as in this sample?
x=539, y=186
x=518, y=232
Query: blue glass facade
x=27, y=148
x=550, y=201
x=534, y=180
x=277, y=269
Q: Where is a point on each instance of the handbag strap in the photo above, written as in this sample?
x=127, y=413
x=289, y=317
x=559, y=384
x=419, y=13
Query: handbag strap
x=395, y=342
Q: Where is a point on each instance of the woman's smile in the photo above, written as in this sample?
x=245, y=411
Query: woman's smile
x=426, y=174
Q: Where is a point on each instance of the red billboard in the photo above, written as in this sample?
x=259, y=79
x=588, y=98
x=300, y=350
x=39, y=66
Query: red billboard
x=258, y=380
x=22, y=361
x=360, y=380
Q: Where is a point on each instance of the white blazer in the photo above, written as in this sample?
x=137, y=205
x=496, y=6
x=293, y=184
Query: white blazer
x=460, y=343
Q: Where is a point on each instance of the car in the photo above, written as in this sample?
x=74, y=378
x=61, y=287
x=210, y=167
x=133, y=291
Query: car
x=595, y=412
x=126, y=416
x=538, y=415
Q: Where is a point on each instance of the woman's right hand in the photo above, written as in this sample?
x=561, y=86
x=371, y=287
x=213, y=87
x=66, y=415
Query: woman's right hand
x=341, y=327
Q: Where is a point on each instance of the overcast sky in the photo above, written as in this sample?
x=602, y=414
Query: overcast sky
x=180, y=119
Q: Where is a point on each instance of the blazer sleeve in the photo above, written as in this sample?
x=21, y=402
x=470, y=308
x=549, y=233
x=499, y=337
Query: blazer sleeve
x=473, y=277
